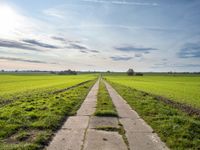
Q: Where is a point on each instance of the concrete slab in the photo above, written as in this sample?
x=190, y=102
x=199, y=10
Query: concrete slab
x=76, y=122
x=102, y=140
x=144, y=141
x=123, y=109
x=138, y=132
x=136, y=125
x=87, y=112
x=89, y=105
x=96, y=122
x=67, y=139
x=71, y=135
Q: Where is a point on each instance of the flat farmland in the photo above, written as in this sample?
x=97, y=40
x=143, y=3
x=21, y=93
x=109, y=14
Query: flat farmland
x=157, y=98
x=33, y=107
x=181, y=88
x=14, y=83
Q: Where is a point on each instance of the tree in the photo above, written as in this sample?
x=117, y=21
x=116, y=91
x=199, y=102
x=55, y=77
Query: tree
x=130, y=72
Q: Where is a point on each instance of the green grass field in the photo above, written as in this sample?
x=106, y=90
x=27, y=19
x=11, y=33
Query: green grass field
x=30, y=110
x=181, y=88
x=10, y=84
x=33, y=107
x=178, y=130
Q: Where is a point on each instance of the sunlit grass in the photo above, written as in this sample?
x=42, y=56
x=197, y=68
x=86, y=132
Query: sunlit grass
x=10, y=84
x=184, y=89
x=178, y=130
x=29, y=119
x=105, y=106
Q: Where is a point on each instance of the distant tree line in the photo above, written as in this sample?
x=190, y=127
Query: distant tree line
x=65, y=72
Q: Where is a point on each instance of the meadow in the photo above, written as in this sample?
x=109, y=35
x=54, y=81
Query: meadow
x=144, y=94
x=32, y=108
x=14, y=83
x=181, y=88
x=177, y=129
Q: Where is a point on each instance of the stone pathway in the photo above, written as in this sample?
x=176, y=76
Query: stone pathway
x=87, y=132
x=139, y=134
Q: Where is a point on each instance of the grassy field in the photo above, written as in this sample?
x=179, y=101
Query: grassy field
x=33, y=107
x=178, y=130
x=30, y=110
x=181, y=88
x=105, y=106
x=14, y=83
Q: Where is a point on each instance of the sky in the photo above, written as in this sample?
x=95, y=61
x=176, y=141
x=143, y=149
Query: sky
x=100, y=35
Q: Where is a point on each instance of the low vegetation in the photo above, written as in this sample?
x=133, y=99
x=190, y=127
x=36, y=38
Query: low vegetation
x=30, y=121
x=105, y=106
x=183, y=88
x=12, y=84
x=178, y=130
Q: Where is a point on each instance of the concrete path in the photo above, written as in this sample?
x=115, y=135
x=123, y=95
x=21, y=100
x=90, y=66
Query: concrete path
x=139, y=134
x=98, y=139
x=72, y=134
x=81, y=132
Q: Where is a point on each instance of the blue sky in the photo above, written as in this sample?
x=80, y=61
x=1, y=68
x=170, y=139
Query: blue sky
x=147, y=35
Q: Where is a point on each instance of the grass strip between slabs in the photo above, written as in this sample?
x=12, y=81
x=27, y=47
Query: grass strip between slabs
x=29, y=123
x=105, y=106
x=176, y=128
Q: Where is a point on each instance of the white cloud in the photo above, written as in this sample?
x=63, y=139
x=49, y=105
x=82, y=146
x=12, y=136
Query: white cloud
x=54, y=13
x=117, y=2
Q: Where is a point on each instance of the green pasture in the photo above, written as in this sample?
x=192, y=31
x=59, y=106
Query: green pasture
x=14, y=83
x=29, y=119
x=181, y=88
x=177, y=129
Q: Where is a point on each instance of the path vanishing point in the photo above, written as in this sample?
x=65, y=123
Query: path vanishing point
x=83, y=131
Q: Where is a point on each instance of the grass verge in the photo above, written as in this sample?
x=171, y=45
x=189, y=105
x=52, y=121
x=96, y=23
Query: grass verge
x=177, y=129
x=105, y=106
x=29, y=122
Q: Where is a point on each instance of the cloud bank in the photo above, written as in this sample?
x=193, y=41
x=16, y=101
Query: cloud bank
x=190, y=50
x=17, y=44
x=129, y=48
x=24, y=60
x=120, y=58
x=40, y=44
